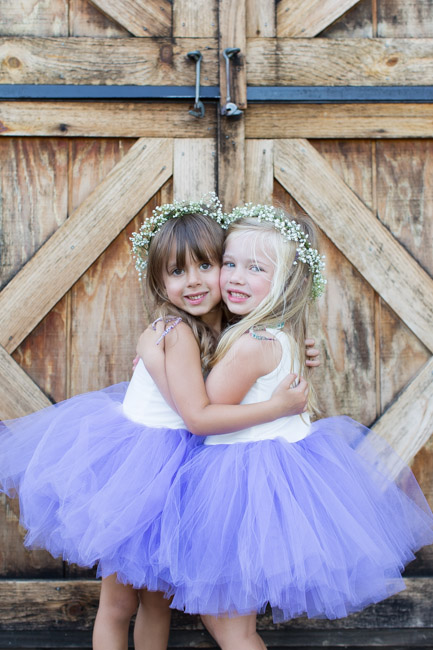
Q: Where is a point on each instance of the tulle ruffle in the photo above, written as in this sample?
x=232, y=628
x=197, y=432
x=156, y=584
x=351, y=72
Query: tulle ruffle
x=92, y=483
x=317, y=528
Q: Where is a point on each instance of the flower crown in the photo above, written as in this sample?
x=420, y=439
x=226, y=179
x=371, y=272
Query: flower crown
x=291, y=231
x=209, y=205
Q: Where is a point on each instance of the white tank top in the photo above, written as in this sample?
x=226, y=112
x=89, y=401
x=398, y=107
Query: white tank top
x=144, y=403
x=292, y=428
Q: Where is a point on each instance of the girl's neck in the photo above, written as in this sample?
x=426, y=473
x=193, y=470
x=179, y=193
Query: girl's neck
x=213, y=319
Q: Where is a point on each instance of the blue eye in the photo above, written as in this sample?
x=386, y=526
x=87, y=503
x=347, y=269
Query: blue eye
x=254, y=267
x=177, y=272
x=230, y=265
x=205, y=266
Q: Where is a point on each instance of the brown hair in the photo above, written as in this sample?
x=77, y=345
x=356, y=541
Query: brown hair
x=201, y=237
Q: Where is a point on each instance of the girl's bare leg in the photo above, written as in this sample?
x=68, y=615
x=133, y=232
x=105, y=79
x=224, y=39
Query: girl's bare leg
x=117, y=604
x=234, y=633
x=152, y=624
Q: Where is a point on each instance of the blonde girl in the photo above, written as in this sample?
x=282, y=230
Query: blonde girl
x=290, y=514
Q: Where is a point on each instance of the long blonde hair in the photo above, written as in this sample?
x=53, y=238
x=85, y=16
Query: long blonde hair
x=288, y=300
x=201, y=237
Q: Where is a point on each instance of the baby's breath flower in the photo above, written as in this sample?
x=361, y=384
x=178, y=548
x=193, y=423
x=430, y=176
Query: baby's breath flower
x=291, y=231
x=209, y=205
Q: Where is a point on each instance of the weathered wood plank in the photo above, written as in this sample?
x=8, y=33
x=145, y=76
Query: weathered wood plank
x=408, y=423
x=309, y=17
x=259, y=171
x=411, y=18
x=194, y=168
x=33, y=178
x=15, y=560
x=86, y=20
x=19, y=394
x=260, y=18
x=402, y=355
x=105, y=119
x=231, y=161
x=339, y=62
x=43, y=354
x=405, y=195
x=358, y=22
x=140, y=17
x=195, y=19
x=391, y=271
x=339, y=121
x=76, y=244
x=106, y=307
x=397, y=639
x=144, y=61
x=349, y=303
x=343, y=325
x=36, y=604
x=232, y=33
x=30, y=18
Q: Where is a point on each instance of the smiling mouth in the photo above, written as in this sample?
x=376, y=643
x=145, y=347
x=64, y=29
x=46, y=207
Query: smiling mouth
x=238, y=295
x=197, y=297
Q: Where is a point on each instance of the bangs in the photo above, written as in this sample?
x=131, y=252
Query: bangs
x=189, y=238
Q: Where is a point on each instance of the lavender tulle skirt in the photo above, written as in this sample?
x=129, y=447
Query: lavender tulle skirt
x=92, y=483
x=316, y=528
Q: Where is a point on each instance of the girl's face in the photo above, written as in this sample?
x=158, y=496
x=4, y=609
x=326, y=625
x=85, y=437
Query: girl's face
x=194, y=288
x=246, y=273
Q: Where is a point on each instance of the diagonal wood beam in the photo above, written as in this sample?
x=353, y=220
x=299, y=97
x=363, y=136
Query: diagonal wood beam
x=356, y=231
x=19, y=393
x=82, y=238
x=308, y=18
x=140, y=17
x=408, y=423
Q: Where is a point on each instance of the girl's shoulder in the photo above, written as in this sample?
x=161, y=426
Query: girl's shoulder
x=261, y=349
x=175, y=331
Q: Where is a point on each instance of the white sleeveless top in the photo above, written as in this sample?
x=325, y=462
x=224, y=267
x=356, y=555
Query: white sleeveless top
x=144, y=403
x=292, y=428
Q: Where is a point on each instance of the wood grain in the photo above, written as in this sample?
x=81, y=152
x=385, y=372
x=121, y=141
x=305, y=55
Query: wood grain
x=405, y=195
x=345, y=318
x=105, y=119
x=15, y=560
x=261, y=19
x=63, y=605
x=19, y=394
x=309, y=17
x=194, y=168
x=33, y=177
x=76, y=244
x=86, y=20
x=231, y=161
x=391, y=271
x=378, y=121
x=408, y=423
x=139, y=17
x=404, y=18
x=259, y=171
x=145, y=61
x=339, y=62
x=232, y=33
x=30, y=18
x=43, y=354
x=358, y=22
x=195, y=19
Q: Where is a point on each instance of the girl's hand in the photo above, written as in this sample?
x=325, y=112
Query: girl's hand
x=288, y=399
x=312, y=354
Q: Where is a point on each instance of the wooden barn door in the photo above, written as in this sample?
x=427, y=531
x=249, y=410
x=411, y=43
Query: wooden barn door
x=80, y=173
